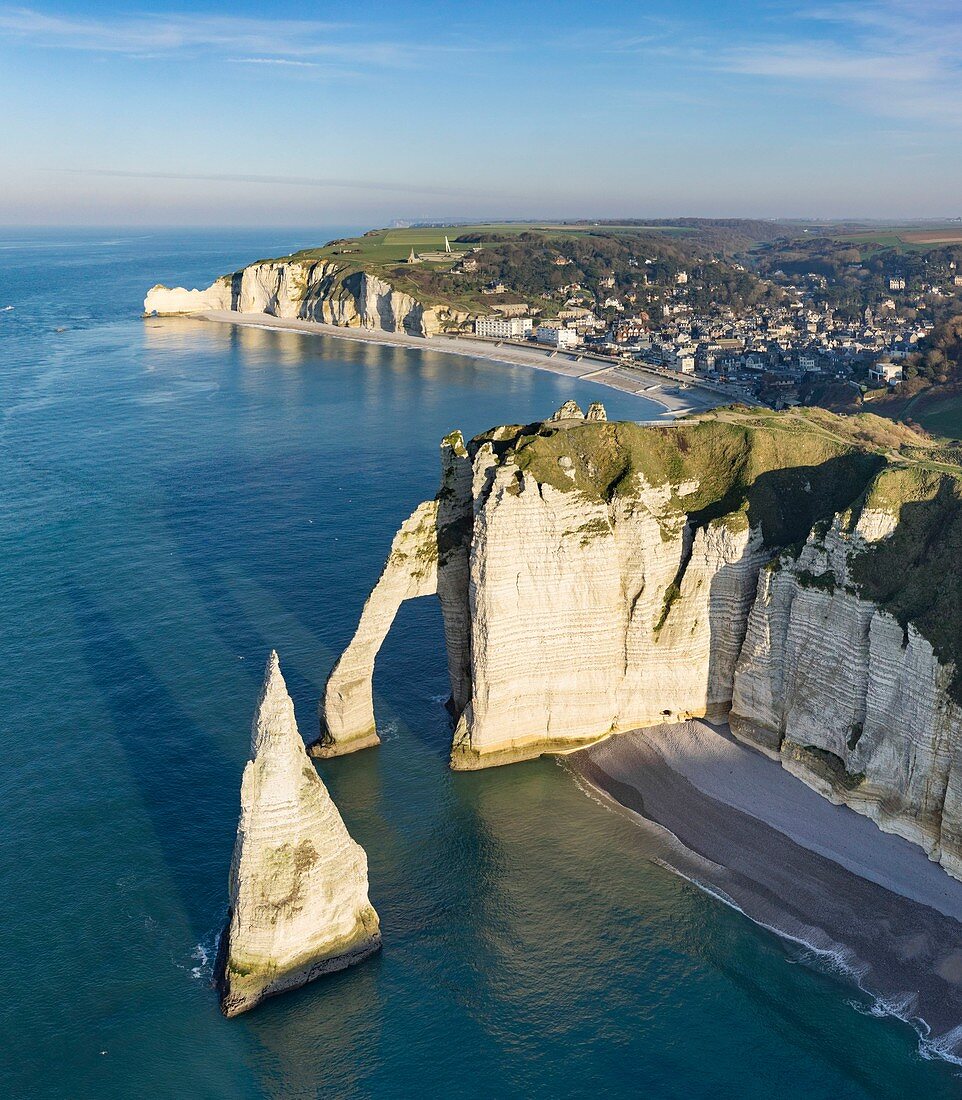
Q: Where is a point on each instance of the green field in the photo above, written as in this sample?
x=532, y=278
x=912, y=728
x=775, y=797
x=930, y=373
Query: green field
x=900, y=237
x=392, y=246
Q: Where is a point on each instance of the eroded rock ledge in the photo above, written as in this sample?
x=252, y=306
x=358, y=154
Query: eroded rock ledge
x=299, y=902
x=794, y=574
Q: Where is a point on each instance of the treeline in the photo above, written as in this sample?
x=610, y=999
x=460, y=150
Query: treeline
x=938, y=362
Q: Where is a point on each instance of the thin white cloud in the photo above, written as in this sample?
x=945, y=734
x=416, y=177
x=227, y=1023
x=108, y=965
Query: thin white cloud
x=823, y=61
x=392, y=186
x=883, y=57
x=272, y=61
x=181, y=34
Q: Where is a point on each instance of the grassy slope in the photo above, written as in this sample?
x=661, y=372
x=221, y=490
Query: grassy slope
x=939, y=412
x=386, y=247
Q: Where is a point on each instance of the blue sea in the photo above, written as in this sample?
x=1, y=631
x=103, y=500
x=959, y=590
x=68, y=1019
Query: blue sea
x=177, y=499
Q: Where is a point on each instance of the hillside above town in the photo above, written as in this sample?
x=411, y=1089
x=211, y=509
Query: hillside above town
x=607, y=267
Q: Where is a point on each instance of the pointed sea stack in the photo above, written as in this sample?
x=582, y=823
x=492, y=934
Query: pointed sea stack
x=299, y=906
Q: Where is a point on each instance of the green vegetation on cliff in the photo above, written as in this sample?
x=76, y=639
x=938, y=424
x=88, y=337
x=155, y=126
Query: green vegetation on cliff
x=784, y=473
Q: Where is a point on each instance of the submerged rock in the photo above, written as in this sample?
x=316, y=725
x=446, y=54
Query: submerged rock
x=299, y=905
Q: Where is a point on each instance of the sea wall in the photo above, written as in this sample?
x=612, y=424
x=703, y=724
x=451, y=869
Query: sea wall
x=320, y=290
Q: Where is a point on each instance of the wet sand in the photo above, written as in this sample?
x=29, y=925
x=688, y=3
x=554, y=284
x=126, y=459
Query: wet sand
x=739, y=826
x=676, y=397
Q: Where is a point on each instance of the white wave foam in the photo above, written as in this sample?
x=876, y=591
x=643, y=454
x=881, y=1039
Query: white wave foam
x=389, y=730
x=203, y=955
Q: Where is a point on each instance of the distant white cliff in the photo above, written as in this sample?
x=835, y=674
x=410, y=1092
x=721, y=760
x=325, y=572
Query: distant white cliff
x=779, y=572
x=319, y=290
x=299, y=902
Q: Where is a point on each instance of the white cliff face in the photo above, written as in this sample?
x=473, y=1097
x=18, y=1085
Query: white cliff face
x=166, y=301
x=299, y=902
x=597, y=578
x=310, y=291
x=590, y=617
x=548, y=620
x=851, y=702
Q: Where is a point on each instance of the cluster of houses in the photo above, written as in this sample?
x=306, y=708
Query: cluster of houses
x=767, y=349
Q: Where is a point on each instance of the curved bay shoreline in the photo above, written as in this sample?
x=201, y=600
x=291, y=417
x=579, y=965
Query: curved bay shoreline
x=744, y=830
x=654, y=387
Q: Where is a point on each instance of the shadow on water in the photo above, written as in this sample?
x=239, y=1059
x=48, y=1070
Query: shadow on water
x=173, y=762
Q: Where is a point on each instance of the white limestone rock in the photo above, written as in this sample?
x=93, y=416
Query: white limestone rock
x=851, y=702
x=166, y=301
x=582, y=599
x=347, y=708
x=299, y=902
x=570, y=410
x=310, y=290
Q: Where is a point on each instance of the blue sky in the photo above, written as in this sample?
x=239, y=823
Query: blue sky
x=221, y=114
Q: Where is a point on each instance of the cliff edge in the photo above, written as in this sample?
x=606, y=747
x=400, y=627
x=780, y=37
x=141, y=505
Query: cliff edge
x=795, y=574
x=328, y=291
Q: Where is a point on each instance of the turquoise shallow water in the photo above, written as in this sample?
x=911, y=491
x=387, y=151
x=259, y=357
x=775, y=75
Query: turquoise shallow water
x=179, y=498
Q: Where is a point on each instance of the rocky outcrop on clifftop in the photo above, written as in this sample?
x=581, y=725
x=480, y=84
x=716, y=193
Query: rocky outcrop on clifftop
x=299, y=905
x=792, y=572
x=308, y=290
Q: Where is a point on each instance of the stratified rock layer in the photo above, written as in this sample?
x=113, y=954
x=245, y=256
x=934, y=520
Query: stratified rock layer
x=299, y=903
x=781, y=571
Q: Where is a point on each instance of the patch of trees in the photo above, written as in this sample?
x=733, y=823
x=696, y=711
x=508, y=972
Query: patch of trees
x=938, y=362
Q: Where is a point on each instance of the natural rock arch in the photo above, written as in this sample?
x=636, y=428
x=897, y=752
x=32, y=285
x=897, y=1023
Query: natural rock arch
x=429, y=556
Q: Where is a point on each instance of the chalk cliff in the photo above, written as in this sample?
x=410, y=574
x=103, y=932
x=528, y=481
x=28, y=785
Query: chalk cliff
x=794, y=573
x=299, y=905
x=310, y=290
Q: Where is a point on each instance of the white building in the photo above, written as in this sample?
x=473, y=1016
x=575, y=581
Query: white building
x=502, y=328
x=556, y=337
x=886, y=373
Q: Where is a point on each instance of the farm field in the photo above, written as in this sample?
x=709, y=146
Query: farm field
x=906, y=238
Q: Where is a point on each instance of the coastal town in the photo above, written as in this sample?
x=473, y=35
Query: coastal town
x=779, y=351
